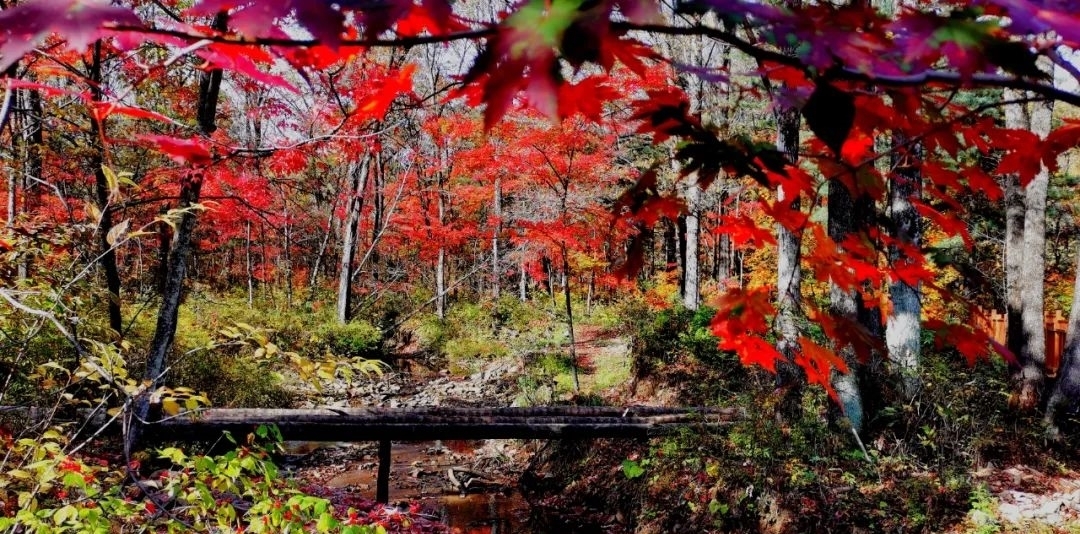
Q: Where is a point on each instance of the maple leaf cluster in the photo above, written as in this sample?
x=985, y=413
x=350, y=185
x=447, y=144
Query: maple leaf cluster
x=851, y=72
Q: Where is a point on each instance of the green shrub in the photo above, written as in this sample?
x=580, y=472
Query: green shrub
x=230, y=381
x=433, y=333
x=659, y=338
x=359, y=339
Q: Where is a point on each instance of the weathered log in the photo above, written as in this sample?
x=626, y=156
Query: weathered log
x=423, y=424
x=431, y=423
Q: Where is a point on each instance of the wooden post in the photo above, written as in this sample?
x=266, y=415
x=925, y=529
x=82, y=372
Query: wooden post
x=382, y=483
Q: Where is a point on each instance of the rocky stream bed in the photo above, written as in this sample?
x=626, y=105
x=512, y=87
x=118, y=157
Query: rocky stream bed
x=470, y=486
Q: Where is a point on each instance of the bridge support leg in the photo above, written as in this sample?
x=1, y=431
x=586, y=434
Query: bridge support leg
x=382, y=483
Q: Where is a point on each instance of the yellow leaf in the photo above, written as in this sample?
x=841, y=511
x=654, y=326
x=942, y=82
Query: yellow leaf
x=170, y=406
x=92, y=212
x=112, y=181
x=20, y=474
x=117, y=232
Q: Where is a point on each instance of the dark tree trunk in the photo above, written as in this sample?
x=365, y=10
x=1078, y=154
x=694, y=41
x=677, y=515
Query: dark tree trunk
x=102, y=193
x=570, y=318
x=671, y=247
x=190, y=188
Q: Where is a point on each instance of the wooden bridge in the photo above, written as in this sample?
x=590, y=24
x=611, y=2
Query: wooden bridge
x=386, y=425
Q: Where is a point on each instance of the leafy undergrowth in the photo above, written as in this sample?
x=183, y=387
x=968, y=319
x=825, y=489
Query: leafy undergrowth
x=240, y=490
x=956, y=458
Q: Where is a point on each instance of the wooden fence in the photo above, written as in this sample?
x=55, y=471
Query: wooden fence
x=1055, y=326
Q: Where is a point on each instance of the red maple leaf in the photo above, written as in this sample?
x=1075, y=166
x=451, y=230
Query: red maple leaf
x=192, y=151
x=240, y=58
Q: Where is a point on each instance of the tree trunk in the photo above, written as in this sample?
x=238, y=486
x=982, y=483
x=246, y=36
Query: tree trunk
x=378, y=209
x=102, y=195
x=190, y=187
x=286, y=251
x=440, y=263
x=523, y=281
x=1066, y=392
x=570, y=319
x=1016, y=116
x=324, y=245
x=496, y=232
x=1033, y=273
x=249, y=265
x=671, y=248
x=903, y=329
x=844, y=304
x=691, y=276
x=357, y=183
x=788, y=269
x=724, y=256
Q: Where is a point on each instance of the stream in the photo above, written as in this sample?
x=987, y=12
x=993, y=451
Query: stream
x=419, y=474
x=425, y=472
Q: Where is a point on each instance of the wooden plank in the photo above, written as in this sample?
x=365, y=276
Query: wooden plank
x=382, y=483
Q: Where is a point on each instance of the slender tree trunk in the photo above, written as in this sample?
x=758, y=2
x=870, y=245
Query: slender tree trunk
x=1066, y=391
x=324, y=245
x=440, y=263
x=102, y=196
x=788, y=270
x=844, y=304
x=570, y=319
x=589, y=296
x=27, y=133
x=440, y=284
x=724, y=258
x=1016, y=116
x=692, y=278
x=523, y=281
x=680, y=252
x=671, y=247
x=286, y=255
x=496, y=232
x=378, y=209
x=1033, y=273
x=357, y=183
x=904, y=329
x=190, y=187
x=249, y=265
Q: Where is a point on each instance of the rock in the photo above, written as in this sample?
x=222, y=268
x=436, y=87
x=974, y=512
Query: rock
x=1049, y=508
x=1009, y=512
x=980, y=518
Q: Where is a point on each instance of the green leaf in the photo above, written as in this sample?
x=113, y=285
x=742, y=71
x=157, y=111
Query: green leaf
x=632, y=469
x=64, y=514
x=174, y=455
x=326, y=522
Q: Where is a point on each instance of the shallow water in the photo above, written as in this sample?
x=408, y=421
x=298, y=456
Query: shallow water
x=480, y=513
x=417, y=475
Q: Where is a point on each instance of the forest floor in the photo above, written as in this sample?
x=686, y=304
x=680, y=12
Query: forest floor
x=1015, y=493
